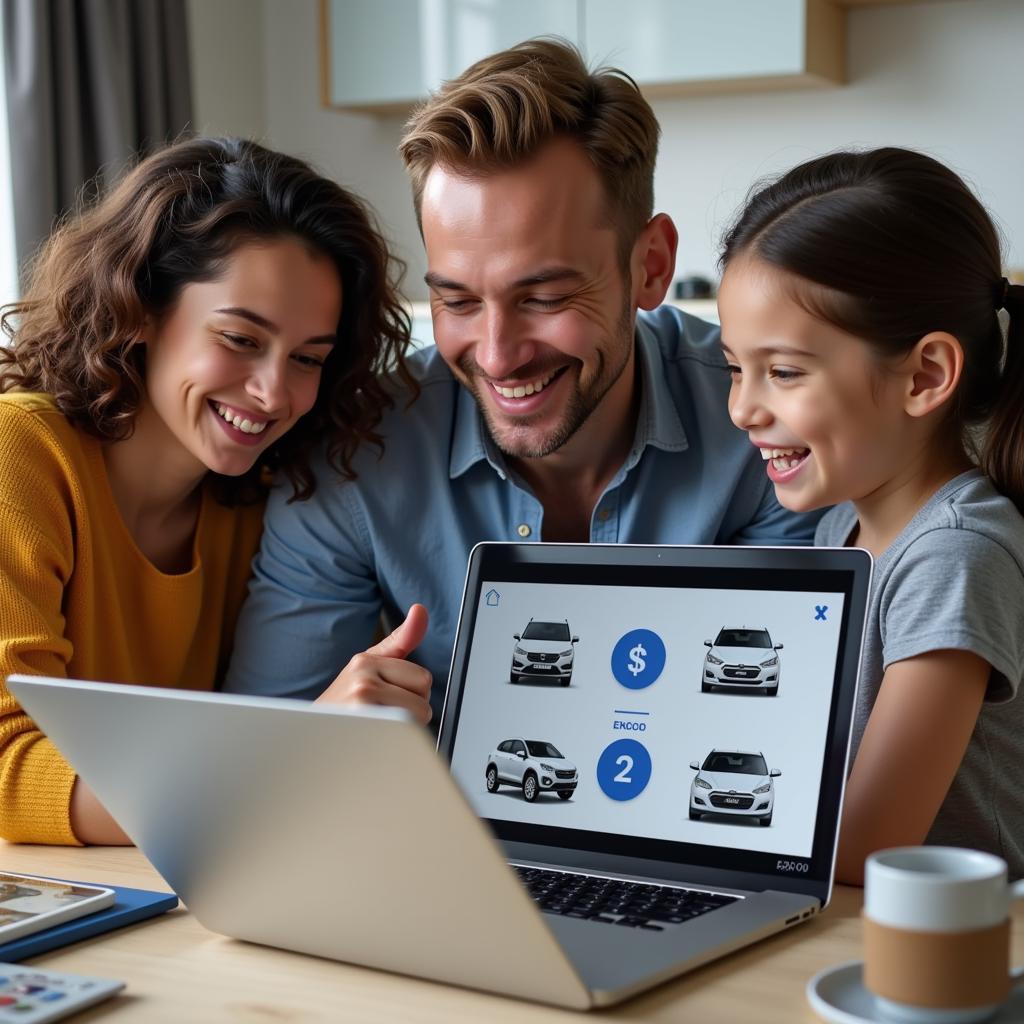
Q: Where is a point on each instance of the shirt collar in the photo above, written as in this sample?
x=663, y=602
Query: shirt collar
x=471, y=441
x=657, y=424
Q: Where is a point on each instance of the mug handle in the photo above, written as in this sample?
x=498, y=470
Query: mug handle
x=1017, y=973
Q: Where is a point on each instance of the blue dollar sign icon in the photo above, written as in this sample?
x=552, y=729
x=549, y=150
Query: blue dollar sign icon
x=624, y=769
x=638, y=659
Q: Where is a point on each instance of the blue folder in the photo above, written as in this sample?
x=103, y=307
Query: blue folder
x=129, y=906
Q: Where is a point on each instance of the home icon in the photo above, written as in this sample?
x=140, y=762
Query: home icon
x=493, y=597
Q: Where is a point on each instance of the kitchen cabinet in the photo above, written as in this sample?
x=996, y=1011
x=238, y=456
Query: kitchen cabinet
x=383, y=56
x=680, y=47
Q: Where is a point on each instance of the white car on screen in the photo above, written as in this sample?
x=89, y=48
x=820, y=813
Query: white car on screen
x=742, y=659
x=737, y=783
x=535, y=766
x=544, y=650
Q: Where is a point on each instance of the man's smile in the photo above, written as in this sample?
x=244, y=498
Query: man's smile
x=522, y=390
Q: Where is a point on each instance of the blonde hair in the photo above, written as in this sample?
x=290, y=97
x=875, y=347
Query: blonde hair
x=504, y=108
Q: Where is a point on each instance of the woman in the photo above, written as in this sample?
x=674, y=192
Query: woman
x=219, y=313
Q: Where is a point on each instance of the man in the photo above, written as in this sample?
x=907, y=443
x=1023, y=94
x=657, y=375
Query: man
x=549, y=411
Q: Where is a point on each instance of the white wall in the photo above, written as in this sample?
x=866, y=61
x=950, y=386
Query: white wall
x=942, y=77
x=358, y=150
x=8, y=259
x=946, y=78
x=229, y=60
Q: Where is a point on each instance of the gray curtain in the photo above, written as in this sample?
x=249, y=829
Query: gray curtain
x=90, y=83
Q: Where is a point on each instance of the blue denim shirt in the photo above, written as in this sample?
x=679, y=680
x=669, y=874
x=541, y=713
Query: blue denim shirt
x=402, y=531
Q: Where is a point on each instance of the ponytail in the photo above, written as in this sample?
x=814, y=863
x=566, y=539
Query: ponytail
x=1002, y=456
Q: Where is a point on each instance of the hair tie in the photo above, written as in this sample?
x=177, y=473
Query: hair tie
x=1011, y=296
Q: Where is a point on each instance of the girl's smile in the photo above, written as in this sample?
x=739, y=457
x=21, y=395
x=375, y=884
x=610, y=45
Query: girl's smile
x=783, y=463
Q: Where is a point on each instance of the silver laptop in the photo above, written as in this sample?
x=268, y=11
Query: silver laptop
x=654, y=738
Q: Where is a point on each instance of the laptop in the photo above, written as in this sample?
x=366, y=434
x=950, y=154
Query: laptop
x=648, y=747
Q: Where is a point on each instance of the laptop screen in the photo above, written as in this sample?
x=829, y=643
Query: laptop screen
x=680, y=705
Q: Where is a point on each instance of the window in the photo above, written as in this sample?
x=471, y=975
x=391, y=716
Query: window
x=743, y=638
x=740, y=764
x=8, y=259
x=538, y=748
x=556, y=631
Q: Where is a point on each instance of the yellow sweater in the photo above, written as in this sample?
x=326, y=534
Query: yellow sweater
x=78, y=599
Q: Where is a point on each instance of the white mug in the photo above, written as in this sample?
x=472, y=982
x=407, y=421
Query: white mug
x=937, y=934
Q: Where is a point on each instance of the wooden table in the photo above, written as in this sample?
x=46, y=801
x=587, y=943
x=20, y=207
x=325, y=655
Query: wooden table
x=179, y=972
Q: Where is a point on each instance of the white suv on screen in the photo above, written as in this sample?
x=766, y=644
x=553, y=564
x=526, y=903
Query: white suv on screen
x=733, y=782
x=741, y=658
x=534, y=765
x=544, y=650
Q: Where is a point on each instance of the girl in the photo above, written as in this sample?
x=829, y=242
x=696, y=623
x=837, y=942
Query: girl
x=859, y=318
x=221, y=312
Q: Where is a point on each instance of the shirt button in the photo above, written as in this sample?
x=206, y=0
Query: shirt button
x=604, y=515
x=523, y=530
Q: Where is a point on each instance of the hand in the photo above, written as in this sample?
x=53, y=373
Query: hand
x=381, y=675
x=91, y=821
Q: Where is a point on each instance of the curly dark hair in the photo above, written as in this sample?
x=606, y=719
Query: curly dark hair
x=175, y=219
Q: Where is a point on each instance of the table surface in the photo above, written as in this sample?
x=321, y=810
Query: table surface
x=178, y=971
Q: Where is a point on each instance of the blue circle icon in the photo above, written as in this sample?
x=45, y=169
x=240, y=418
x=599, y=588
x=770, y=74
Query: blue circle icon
x=638, y=659
x=624, y=769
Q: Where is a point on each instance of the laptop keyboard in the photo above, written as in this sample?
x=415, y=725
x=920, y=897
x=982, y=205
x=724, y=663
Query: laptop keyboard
x=614, y=901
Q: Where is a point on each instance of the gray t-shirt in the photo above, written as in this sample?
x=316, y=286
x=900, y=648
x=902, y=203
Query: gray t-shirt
x=954, y=579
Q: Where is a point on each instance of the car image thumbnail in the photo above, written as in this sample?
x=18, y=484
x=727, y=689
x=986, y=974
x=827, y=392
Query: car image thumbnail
x=742, y=659
x=736, y=783
x=535, y=766
x=544, y=650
